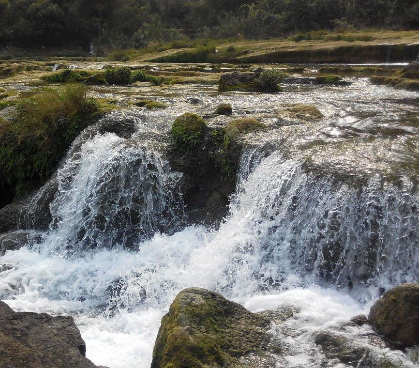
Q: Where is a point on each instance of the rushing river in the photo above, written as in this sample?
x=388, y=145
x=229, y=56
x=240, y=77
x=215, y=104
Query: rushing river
x=325, y=216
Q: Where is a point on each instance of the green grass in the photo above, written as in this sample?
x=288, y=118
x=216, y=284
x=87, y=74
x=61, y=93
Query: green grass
x=32, y=144
x=117, y=76
x=187, y=131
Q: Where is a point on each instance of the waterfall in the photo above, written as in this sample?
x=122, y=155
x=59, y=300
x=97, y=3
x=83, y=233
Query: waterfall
x=118, y=249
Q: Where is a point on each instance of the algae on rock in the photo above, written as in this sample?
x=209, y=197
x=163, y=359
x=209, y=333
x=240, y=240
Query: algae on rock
x=204, y=329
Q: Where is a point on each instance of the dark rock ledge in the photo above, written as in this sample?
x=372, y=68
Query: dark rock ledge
x=31, y=340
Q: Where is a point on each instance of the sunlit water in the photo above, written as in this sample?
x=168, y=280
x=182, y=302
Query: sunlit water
x=307, y=238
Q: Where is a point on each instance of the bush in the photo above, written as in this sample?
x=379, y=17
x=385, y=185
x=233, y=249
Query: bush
x=187, y=131
x=46, y=124
x=269, y=80
x=119, y=76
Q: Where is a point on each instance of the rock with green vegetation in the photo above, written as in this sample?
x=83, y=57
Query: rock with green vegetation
x=397, y=82
x=203, y=329
x=300, y=112
x=331, y=79
x=118, y=76
x=243, y=126
x=150, y=105
x=39, y=134
x=269, y=80
x=396, y=315
x=258, y=81
x=224, y=109
x=187, y=131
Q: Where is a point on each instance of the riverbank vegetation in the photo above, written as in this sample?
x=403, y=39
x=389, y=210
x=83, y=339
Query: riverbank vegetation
x=38, y=134
x=105, y=25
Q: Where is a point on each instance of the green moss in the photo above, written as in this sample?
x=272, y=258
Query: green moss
x=300, y=112
x=150, y=105
x=243, y=126
x=206, y=330
x=328, y=79
x=45, y=125
x=187, y=131
x=224, y=109
x=397, y=82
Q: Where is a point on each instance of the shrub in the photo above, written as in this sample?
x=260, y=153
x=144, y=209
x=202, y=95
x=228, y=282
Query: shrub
x=269, y=80
x=119, y=76
x=187, y=131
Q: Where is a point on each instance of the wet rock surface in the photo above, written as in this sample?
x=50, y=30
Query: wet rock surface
x=396, y=315
x=31, y=340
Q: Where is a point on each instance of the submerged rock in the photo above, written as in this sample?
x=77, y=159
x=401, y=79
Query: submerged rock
x=203, y=329
x=13, y=241
x=31, y=340
x=396, y=315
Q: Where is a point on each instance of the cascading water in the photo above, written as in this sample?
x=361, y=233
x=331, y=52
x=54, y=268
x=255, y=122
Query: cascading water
x=118, y=250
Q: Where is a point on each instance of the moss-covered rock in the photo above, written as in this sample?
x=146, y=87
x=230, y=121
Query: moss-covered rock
x=224, y=109
x=187, y=131
x=258, y=81
x=243, y=126
x=396, y=315
x=328, y=79
x=300, y=112
x=150, y=105
x=411, y=71
x=203, y=329
x=238, y=82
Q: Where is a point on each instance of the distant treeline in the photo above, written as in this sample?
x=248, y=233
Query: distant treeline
x=134, y=23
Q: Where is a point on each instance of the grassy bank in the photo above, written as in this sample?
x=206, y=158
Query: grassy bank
x=38, y=135
x=318, y=47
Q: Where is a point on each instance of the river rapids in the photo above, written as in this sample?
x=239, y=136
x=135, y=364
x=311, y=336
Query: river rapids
x=324, y=217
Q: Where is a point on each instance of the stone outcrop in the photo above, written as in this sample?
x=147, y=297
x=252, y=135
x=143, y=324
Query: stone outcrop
x=396, y=315
x=203, y=329
x=31, y=340
x=209, y=168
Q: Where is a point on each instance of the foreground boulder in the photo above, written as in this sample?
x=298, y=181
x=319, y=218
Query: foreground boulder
x=203, y=329
x=396, y=315
x=31, y=340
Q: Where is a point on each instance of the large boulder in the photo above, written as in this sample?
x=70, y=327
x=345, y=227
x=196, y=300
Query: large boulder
x=31, y=340
x=203, y=329
x=396, y=315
